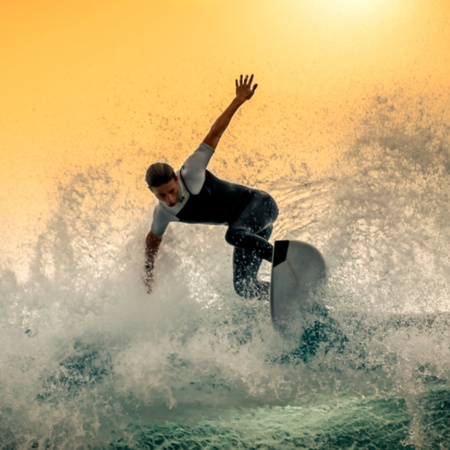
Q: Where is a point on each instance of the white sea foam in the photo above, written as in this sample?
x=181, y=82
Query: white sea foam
x=88, y=356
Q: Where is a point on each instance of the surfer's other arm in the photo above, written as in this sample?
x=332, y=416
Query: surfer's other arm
x=152, y=244
x=244, y=92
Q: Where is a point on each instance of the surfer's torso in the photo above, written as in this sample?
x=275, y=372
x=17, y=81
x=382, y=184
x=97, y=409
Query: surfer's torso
x=218, y=202
x=203, y=197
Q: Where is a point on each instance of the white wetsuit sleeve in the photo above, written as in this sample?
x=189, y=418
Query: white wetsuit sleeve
x=161, y=218
x=193, y=170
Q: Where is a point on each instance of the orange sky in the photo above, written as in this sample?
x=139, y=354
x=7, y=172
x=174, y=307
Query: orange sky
x=83, y=82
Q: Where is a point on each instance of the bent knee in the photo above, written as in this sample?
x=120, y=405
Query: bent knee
x=232, y=236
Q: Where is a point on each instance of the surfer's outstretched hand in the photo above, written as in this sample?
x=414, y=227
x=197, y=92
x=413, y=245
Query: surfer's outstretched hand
x=244, y=88
x=148, y=284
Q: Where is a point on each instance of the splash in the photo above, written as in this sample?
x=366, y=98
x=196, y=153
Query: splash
x=89, y=359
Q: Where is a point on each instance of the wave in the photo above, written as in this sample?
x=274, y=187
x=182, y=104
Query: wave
x=91, y=360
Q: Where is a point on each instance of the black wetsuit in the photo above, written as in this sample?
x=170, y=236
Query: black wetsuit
x=249, y=214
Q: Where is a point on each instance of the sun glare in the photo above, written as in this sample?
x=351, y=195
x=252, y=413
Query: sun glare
x=349, y=8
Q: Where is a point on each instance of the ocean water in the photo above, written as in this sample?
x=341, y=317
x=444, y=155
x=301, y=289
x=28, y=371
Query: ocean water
x=89, y=360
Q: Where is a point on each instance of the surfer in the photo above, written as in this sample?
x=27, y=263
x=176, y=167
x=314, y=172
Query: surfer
x=194, y=195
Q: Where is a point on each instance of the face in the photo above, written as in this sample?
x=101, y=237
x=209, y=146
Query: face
x=168, y=193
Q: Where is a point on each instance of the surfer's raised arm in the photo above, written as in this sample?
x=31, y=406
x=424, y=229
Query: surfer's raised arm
x=244, y=92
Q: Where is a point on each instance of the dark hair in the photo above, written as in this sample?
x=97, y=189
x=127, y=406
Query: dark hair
x=159, y=174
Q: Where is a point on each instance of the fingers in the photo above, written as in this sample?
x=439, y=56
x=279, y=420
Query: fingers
x=244, y=80
x=244, y=88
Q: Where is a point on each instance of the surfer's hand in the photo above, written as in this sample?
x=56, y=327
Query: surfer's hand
x=244, y=88
x=149, y=285
x=148, y=279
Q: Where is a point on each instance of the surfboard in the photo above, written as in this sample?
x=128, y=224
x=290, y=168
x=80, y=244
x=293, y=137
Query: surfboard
x=298, y=270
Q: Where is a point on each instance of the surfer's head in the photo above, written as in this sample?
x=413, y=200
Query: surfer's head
x=159, y=174
x=163, y=182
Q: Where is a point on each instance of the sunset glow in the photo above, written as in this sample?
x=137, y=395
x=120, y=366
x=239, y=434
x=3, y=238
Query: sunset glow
x=83, y=82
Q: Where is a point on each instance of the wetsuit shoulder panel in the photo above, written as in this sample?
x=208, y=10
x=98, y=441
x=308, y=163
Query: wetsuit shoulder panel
x=161, y=219
x=193, y=170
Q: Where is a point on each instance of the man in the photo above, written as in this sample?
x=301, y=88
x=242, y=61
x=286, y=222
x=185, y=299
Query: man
x=195, y=195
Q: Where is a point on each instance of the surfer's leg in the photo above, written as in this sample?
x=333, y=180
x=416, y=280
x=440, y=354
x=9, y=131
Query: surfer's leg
x=249, y=235
x=248, y=230
x=246, y=265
